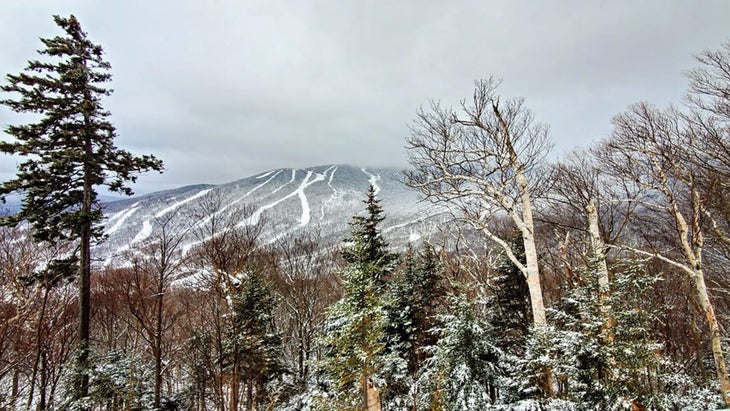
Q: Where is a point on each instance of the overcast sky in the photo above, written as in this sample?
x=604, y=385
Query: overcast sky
x=221, y=90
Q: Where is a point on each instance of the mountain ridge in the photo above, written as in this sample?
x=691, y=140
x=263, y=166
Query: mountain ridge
x=287, y=201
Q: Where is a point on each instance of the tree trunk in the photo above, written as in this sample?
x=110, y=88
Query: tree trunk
x=371, y=396
x=526, y=226
x=85, y=262
x=158, y=345
x=532, y=269
x=716, y=337
x=235, y=385
x=44, y=382
x=693, y=255
x=599, y=259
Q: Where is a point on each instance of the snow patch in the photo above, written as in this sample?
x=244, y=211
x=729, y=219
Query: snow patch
x=262, y=184
x=413, y=237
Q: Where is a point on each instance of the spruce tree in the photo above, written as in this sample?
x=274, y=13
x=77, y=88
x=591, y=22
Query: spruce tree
x=70, y=152
x=464, y=365
x=416, y=294
x=356, y=325
x=252, y=347
x=510, y=308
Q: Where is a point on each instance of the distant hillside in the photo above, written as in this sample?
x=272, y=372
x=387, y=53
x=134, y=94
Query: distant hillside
x=286, y=201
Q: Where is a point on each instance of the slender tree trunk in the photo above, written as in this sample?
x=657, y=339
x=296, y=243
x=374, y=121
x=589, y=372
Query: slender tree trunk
x=235, y=385
x=39, y=347
x=371, y=396
x=598, y=249
x=693, y=255
x=85, y=262
x=14, y=389
x=44, y=382
x=158, y=343
x=526, y=226
x=532, y=269
x=715, y=335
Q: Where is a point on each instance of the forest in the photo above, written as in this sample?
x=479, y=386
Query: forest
x=594, y=282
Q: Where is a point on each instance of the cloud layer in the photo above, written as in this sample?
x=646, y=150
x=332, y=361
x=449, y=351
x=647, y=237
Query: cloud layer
x=222, y=90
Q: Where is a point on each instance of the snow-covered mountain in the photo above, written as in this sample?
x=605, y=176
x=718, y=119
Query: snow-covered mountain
x=285, y=201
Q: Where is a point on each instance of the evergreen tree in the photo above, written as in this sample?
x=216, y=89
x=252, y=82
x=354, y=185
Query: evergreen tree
x=356, y=325
x=253, y=348
x=416, y=293
x=510, y=307
x=463, y=368
x=367, y=248
x=70, y=153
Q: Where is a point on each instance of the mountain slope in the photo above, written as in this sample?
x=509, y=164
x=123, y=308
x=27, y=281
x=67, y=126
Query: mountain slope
x=285, y=201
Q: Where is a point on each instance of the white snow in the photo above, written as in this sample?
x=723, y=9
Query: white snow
x=262, y=184
x=413, y=237
x=122, y=217
x=181, y=202
x=293, y=176
x=373, y=180
x=238, y=200
x=145, y=232
x=335, y=193
x=267, y=174
x=306, y=212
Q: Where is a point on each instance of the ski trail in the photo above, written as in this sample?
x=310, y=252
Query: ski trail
x=145, y=232
x=110, y=258
x=267, y=174
x=122, y=217
x=293, y=176
x=335, y=194
x=260, y=185
x=306, y=212
x=373, y=180
x=238, y=200
x=180, y=203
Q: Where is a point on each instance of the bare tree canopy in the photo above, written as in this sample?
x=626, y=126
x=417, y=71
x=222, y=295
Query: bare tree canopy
x=483, y=160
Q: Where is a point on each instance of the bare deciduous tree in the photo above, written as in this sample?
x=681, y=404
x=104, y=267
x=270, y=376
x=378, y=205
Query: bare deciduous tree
x=483, y=160
x=653, y=149
x=156, y=264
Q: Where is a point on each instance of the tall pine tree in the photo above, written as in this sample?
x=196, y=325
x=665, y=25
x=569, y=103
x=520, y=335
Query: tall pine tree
x=70, y=152
x=356, y=334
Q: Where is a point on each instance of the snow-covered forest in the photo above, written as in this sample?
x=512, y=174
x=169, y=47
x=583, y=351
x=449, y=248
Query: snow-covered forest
x=593, y=282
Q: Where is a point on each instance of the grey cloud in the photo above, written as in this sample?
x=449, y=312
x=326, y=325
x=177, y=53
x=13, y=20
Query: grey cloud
x=227, y=89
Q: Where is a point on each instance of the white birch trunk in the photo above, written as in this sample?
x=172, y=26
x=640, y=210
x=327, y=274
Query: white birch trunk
x=532, y=270
x=693, y=254
x=598, y=249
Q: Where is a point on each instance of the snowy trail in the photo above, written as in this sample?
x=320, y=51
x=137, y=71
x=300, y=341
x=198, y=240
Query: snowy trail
x=293, y=176
x=146, y=230
x=335, y=194
x=180, y=203
x=121, y=218
x=267, y=174
x=373, y=180
x=422, y=218
x=262, y=184
x=306, y=212
x=238, y=200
